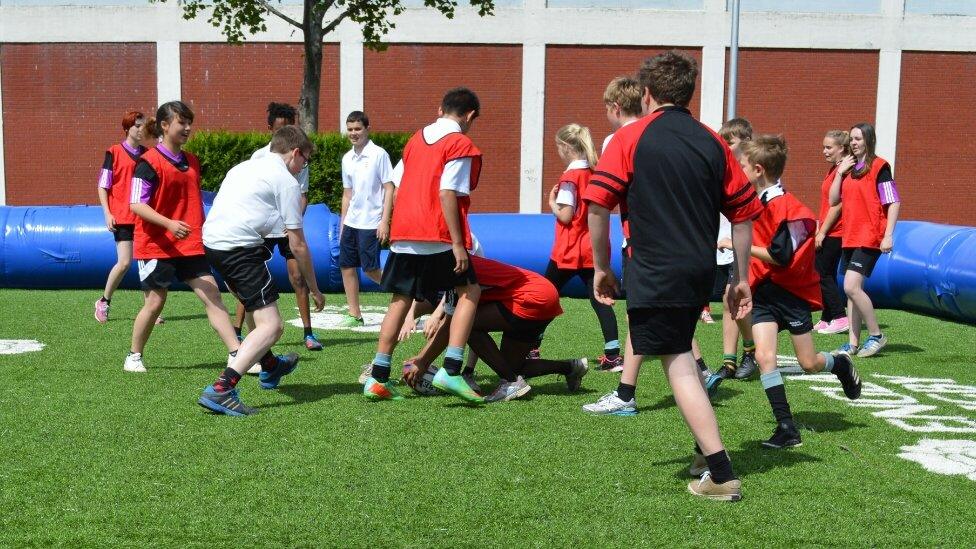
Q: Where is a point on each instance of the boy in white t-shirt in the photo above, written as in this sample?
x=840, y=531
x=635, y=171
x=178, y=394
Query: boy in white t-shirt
x=367, y=202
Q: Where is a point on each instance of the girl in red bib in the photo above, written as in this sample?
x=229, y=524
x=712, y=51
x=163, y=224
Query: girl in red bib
x=865, y=188
x=572, y=252
x=833, y=319
x=113, y=194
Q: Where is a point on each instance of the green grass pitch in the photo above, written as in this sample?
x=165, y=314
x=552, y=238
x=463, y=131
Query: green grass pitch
x=90, y=456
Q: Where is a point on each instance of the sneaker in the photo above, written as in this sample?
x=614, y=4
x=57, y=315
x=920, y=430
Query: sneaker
x=534, y=354
x=312, y=343
x=159, y=320
x=226, y=402
x=365, y=374
x=845, y=349
x=133, y=363
x=785, y=436
x=255, y=369
x=374, y=390
x=101, y=310
x=713, y=381
x=286, y=365
x=577, y=369
x=836, y=326
x=848, y=376
x=472, y=384
x=747, y=366
x=611, y=404
x=349, y=321
x=707, y=488
x=607, y=364
x=698, y=465
x=456, y=385
x=706, y=317
x=820, y=326
x=509, y=390
x=872, y=346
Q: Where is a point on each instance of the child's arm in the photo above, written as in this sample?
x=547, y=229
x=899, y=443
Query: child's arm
x=888, y=194
x=104, y=184
x=346, y=199
x=845, y=165
x=564, y=212
x=833, y=214
x=144, y=181
x=383, y=232
x=888, y=241
x=762, y=254
x=605, y=284
x=452, y=218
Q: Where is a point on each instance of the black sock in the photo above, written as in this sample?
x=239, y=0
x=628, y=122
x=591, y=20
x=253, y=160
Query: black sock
x=106, y=300
x=238, y=330
x=701, y=364
x=720, y=467
x=227, y=380
x=468, y=371
x=777, y=400
x=453, y=366
x=626, y=392
x=268, y=361
x=308, y=331
x=612, y=353
x=381, y=373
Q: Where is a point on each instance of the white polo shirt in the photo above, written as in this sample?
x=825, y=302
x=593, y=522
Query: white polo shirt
x=365, y=173
x=255, y=198
x=302, y=178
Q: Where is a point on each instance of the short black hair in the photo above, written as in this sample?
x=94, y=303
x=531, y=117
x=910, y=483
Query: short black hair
x=358, y=116
x=281, y=110
x=460, y=101
x=168, y=111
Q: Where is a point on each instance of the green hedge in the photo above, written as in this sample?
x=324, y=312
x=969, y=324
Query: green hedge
x=219, y=151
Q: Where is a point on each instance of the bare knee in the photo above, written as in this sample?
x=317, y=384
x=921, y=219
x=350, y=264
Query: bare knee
x=766, y=358
x=124, y=263
x=852, y=287
x=809, y=363
x=155, y=302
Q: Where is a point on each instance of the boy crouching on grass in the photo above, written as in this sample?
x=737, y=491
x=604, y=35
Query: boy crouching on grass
x=254, y=198
x=785, y=284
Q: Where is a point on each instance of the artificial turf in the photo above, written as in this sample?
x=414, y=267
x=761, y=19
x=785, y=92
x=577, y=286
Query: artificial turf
x=92, y=456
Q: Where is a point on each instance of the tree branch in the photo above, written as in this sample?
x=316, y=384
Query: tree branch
x=267, y=5
x=335, y=22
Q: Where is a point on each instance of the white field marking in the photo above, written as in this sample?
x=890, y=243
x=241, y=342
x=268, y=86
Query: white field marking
x=942, y=389
x=902, y=411
x=945, y=457
x=788, y=365
x=332, y=316
x=19, y=346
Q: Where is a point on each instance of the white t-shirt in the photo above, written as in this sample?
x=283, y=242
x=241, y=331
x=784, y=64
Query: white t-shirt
x=567, y=191
x=254, y=199
x=365, y=173
x=302, y=178
x=724, y=257
x=455, y=177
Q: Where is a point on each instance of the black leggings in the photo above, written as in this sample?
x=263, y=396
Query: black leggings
x=608, y=320
x=828, y=258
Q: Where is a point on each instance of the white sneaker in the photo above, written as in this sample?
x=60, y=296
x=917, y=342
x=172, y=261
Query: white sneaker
x=611, y=404
x=133, y=363
x=255, y=369
x=365, y=374
x=509, y=390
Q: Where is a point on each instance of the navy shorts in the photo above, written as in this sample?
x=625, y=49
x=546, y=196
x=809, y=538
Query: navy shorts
x=158, y=274
x=359, y=248
x=124, y=233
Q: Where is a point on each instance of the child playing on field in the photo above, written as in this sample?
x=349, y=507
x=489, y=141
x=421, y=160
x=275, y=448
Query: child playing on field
x=572, y=253
x=785, y=284
x=833, y=319
x=430, y=239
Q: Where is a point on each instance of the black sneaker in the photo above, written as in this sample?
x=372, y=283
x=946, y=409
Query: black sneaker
x=847, y=374
x=785, y=436
x=747, y=366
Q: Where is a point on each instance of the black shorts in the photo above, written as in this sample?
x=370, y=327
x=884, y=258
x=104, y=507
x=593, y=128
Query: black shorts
x=522, y=329
x=859, y=260
x=124, y=233
x=359, y=248
x=158, y=274
x=773, y=303
x=623, y=272
x=284, y=250
x=723, y=273
x=657, y=331
x=245, y=272
x=422, y=276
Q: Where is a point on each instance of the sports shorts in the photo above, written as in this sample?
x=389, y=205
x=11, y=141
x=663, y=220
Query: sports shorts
x=245, y=272
x=656, y=331
x=773, y=303
x=422, y=276
x=158, y=274
x=859, y=260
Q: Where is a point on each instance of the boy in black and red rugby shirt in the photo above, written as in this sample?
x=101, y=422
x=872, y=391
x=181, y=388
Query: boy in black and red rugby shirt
x=430, y=239
x=672, y=176
x=785, y=284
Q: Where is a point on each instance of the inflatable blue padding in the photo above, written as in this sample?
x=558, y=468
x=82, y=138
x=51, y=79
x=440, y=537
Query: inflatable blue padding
x=932, y=269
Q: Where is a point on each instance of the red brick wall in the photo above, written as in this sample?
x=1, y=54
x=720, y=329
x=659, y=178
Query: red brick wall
x=68, y=98
x=798, y=93
x=404, y=86
x=576, y=77
x=936, y=154
x=229, y=86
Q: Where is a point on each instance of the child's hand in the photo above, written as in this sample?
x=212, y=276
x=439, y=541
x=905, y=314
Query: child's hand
x=818, y=241
x=553, y=193
x=409, y=325
x=739, y=299
x=110, y=221
x=886, y=244
x=725, y=244
x=179, y=229
x=460, y=258
x=605, y=286
x=846, y=163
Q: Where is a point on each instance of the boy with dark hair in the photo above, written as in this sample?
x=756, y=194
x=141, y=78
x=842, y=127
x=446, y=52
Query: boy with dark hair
x=665, y=170
x=254, y=193
x=785, y=284
x=735, y=131
x=279, y=116
x=430, y=239
x=367, y=203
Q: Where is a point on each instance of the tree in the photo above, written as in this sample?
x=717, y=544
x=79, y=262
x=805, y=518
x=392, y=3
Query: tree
x=234, y=18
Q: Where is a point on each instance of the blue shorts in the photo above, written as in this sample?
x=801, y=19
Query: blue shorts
x=359, y=248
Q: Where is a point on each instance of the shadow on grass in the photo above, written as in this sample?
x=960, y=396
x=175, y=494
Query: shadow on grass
x=303, y=393
x=167, y=318
x=667, y=401
x=824, y=422
x=215, y=366
x=327, y=341
x=901, y=348
x=557, y=388
x=750, y=459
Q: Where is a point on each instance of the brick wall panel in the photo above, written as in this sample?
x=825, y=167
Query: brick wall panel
x=62, y=107
x=404, y=86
